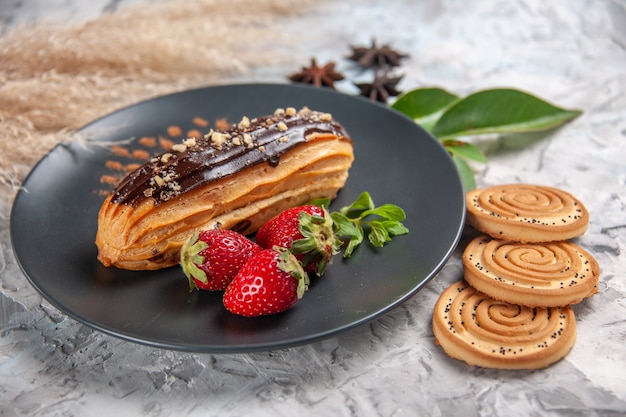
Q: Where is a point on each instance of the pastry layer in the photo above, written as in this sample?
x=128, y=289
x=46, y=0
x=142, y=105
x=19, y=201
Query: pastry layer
x=479, y=330
x=531, y=274
x=236, y=179
x=526, y=213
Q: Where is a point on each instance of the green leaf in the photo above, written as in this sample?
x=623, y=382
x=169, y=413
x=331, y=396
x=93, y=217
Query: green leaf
x=424, y=105
x=465, y=172
x=500, y=111
x=363, y=202
x=353, y=243
x=395, y=228
x=344, y=227
x=349, y=223
x=386, y=211
x=321, y=202
x=378, y=235
x=464, y=150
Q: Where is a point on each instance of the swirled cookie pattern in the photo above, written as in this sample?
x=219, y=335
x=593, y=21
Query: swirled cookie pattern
x=532, y=274
x=526, y=213
x=473, y=327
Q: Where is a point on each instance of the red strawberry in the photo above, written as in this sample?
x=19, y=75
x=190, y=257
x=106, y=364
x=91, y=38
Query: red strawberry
x=270, y=282
x=307, y=231
x=211, y=258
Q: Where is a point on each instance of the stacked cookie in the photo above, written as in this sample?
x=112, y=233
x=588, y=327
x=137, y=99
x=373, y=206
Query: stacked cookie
x=513, y=308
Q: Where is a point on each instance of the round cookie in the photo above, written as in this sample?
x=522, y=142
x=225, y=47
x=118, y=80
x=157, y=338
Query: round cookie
x=479, y=330
x=531, y=274
x=526, y=213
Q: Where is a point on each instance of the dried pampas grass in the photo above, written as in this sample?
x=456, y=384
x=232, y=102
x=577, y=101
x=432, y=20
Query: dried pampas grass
x=54, y=79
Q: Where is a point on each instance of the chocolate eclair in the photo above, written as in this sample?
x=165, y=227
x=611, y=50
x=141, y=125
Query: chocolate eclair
x=236, y=179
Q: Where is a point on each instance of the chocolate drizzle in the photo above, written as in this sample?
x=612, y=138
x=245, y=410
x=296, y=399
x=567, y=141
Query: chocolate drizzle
x=197, y=162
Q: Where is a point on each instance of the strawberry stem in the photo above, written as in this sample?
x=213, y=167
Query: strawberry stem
x=319, y=243
x=287, y=262
x=190, y=258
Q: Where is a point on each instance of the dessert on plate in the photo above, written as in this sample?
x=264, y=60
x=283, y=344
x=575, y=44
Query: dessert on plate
x=237, y=178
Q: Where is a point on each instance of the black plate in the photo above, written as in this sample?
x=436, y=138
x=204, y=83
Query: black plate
x=54, y=221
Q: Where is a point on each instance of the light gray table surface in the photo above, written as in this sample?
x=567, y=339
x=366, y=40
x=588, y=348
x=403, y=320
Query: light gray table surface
x=569, y=52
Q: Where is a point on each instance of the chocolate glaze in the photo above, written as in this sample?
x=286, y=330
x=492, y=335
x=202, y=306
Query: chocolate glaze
x=219, y=154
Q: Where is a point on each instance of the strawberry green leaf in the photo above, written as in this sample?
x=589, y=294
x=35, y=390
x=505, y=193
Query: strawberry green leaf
x=318, y=240
x=500, y=111
x=464, y=150
x=424, y=105
x=190, y=258
x=288, y=263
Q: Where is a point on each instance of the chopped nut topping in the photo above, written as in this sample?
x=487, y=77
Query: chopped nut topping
x=159, y=181
x=189, y=142
x=269, y=134
x=218, y=139
x=244, y=123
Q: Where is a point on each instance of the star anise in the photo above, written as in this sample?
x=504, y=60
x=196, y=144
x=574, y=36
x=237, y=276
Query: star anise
x=318, y=76
x=376, y=57
x=381, y=88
